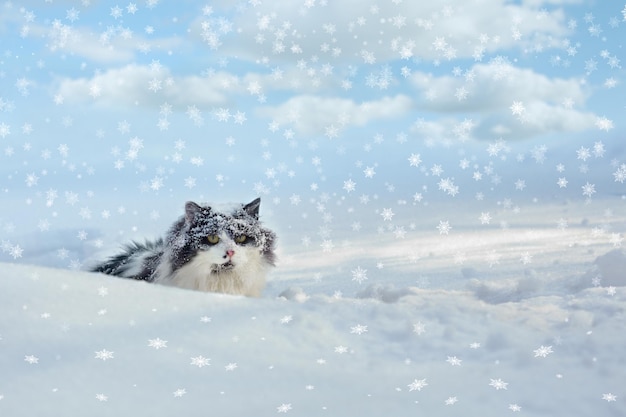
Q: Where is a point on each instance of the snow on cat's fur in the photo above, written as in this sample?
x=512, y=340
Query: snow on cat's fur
x=206, y=250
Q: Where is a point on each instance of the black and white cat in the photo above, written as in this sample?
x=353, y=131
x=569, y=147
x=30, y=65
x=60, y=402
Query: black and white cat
x=207, y=250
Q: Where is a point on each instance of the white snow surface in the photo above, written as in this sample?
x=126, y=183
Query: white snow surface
x=472, y=341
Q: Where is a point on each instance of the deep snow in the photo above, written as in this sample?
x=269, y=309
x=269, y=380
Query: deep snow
x=466, y=340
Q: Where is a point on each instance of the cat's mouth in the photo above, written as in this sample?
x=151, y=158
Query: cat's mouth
x=226, y=266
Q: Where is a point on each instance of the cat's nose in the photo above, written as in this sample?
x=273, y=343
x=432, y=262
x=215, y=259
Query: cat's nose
x=230, y=253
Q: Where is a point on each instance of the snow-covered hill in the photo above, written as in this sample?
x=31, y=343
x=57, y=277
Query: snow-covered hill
x=75, y=343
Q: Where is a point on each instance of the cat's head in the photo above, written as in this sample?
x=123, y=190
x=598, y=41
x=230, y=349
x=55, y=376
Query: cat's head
x=225, y=240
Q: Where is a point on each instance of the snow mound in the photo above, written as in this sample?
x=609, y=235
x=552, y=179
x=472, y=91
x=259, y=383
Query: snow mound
x=507, y=290
x=384, y=293
x=611, y=268
x=78, y=341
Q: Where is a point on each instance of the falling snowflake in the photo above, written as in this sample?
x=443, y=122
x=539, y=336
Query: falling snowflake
x=589, y=190
x=603, y=123
x=444, y=227
x=454, y=361
x=16, y=251
x=451, y=401
x=359, y=275
x=415, y=160
x=485, y=218
x=417, y=385
x=542, y=351
x=104, y=354
x=157, y=343
x=200, y=361
x=31, y=359
x=179, y=392
x=387, y=214
x=102, y=397
x=358, y=329
x=517, y=108
x=419, y=328
x=341, y=349
x=498, y=384
x=349, y=186
x=609, y=397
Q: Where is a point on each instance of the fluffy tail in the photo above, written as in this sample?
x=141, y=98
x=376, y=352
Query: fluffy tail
x=137, y=261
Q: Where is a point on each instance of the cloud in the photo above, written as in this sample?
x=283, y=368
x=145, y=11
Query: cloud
x=507, y=101
x=133, y=85
x=113, y=45
x=152, y=85
x=376, y=34
x=319, y=115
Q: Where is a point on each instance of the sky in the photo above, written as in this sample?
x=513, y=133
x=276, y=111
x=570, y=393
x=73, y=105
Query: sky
x=334, y=113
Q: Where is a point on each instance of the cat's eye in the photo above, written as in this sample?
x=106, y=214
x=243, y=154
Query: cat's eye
x=213, y=239
x=241, y=239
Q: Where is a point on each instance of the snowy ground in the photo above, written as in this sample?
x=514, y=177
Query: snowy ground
x=467, y=326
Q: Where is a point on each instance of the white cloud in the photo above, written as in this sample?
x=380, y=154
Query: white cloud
x=487, y=92
x=152, y=85
x=495, y=85
x=113, y=45
x=375, y=34
x=540, y=118
x=316, y=115
x=142, y=85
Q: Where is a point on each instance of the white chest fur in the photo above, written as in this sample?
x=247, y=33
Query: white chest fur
x=247, y=277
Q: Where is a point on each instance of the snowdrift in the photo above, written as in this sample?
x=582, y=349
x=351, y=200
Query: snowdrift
x=75, y=343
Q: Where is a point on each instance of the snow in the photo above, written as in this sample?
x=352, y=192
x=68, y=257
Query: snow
x=467, y=339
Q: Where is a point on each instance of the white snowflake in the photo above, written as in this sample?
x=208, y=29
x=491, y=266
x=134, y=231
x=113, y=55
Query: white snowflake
x=104, y=354
x=16, y=251
x=341, y=349
x=609, y=397
x=454, y=361
x=31, y=359
x=498, y=384
x=349, y=186
x=543, y=351
x=451, y=401
x=102, y=397
x=417, y=385
x=358, y=329
x=589, y=189
x=603, y=123
x=387, y=214
x=415, y=160
x=359, y=275
x=444, y=227
x=515, y=408
x=419, y=328
x=157, y=343
x=200, y=361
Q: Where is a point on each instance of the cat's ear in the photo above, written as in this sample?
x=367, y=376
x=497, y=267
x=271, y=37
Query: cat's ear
x=253, y=208
x=191, y=209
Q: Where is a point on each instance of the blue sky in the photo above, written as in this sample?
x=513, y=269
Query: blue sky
x=112, y=116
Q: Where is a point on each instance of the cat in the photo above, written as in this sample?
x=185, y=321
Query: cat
x=207, y=250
